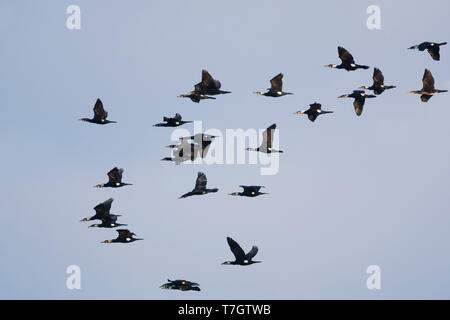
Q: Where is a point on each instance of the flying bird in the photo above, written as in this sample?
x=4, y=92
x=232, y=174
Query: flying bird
x=100, y=114
x=125, y=236
x=360, y=97
x=241, y=258
x=378, y=86
x=276, y=87
x=428, y=89
x=266, y=145
x=115, y=179
x=182, y=285
x=102, y=211
x=315, y=110
x=184, y=151
x=348, y=63
x=200, y=187
x=209, y=85
x=249, y=191
x=107, y=222
x=195, y=97
x=172, y=122
x=431, y=47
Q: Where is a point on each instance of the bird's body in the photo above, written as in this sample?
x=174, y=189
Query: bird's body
x=182, y=285
x=249, y=191
x=266, y=145
x=184, y=151
x=172, y=122
x=348, y=63
x=107, y=222
x=200, y=187
x=276, y=88
x=428, y=89
x=209, y=85
x=241, y=258
x=360, y=98
x=432, y=48
x=378, y=86
x=125, y=236
x=315, y=110
x=100, y=114
x=115, y=179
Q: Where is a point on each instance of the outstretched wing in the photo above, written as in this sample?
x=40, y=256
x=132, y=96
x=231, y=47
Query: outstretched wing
x=434, y=52
x=124, y=233
x=115, y=175
x=207, y=79
x=267, y=137
x=177, y=117
x=345, y=56
x=428, y=81
x=251, y=188
x=378, y=78
x=99, y=111
x=276, y=82
x=358, y=104
x=252, y=253
x=104, y=207
x=200, y=183
x=239, y=254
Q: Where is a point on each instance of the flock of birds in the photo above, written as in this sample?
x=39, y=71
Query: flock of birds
x=195, y=146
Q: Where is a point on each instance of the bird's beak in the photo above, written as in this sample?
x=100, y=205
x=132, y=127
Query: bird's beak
x=411, y=92
x=299, y=112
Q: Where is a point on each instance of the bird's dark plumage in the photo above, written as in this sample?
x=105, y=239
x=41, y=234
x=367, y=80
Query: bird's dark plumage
x=347, y=61
x=315, y=110
x=428, y=89
x=100, y=114
x=378, y=86
x=125, y=236
x=249, y=191
x=182, y=285
x=172, y=122
x=241, y=258
x=115, y=179
x=266, y=145
x=276, y=87
x=433, y=48
x=200, y=187
x=360, y=98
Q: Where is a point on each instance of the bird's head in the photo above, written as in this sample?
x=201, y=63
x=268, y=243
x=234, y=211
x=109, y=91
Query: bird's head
x=260, y=93
x=93, y=225
x=106, y=241
x=331, y=65
x=234, y=194
x=227, y=262
x=300, y=112
x=364, y=87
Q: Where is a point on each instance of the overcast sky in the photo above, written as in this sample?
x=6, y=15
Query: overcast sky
x=350, y=192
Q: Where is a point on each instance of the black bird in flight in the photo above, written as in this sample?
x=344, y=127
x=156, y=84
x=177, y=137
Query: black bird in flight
x=431, y=47
x=195, y=97
x=241, y=258
x=348, y=63
x=107, y=222
x=360, y=97
x=209, y=85
x=315, y=110
x=276, y=87
x=378, y=86
x=428, y=89
x=100, y=114
x=102, y=211
x=115, y=179
x=172, y=122
x=200, y=187
x=266, y=145
x=184, y=151
x=125, y=236
x=182, y=285
x=249, y=191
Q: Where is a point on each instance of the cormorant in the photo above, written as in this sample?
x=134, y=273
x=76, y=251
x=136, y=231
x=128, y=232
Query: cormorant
x=184, y=151
x=315, y=109
x=360, y=97
x=240, y=257
x=200, y=187
x=209, y=85
x=107, y=222
x=172, y=122
x=348, y=63
x=378, y=86
x=125, y=236
x=249, y=191
x=102, y=211
x=276, y=87
x=266, y=145
x=428, y=89
x=182, y=285
x=100, y=114
x=195, y=97
x=432, y=48
x=115, y=179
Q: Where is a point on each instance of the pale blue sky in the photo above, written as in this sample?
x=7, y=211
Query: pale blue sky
x=351, y=191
